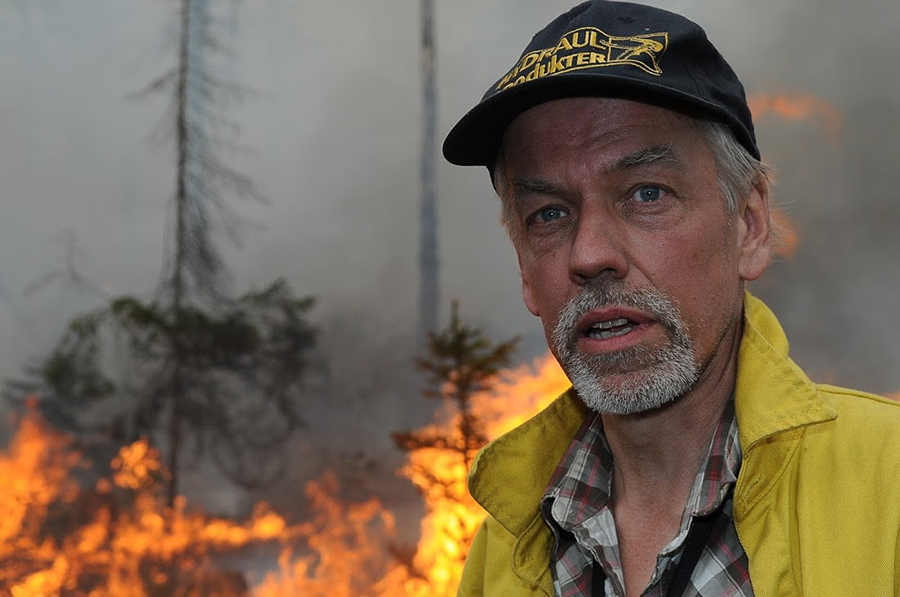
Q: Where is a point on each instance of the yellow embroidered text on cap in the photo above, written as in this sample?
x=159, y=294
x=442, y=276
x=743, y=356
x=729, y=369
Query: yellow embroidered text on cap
x=589, y=47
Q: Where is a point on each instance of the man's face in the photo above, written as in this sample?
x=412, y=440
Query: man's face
x=627, y=251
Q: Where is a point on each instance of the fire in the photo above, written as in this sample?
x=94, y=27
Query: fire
x=347, y=545
x=452, y=516
x=35, y=473
x=798, y=107
x=115, y=538
x=794, y=107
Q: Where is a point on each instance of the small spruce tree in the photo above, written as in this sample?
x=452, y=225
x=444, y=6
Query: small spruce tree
x=461, y=361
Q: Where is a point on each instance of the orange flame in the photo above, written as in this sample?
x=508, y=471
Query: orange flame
x=452, y=516
x=122, y=542
x=348, y=544
x=798, y=107
x=117, y=540
x=794, y=107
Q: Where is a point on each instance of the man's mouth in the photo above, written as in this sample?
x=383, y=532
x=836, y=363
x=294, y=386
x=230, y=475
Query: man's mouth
x=610, y=328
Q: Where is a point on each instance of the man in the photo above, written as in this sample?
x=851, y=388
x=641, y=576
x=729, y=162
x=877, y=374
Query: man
x=692, y=457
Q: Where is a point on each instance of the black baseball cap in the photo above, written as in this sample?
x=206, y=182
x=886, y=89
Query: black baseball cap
x=608, y=49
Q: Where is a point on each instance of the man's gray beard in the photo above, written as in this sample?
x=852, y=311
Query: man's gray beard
x=631, y=381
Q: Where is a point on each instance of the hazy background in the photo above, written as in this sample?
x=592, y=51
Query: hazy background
x=333, y=139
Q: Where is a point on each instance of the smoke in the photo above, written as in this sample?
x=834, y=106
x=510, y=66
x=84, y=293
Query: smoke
x=333, y=136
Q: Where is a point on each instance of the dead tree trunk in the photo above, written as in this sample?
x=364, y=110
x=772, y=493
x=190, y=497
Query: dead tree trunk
x=182, y=141
x=429, y=273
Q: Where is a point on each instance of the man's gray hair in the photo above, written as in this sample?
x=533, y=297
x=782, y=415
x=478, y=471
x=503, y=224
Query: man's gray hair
x=737, y=171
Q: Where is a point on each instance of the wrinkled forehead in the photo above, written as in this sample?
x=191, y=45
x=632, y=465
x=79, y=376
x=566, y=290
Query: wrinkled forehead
x=593, y=126
x=583, y=114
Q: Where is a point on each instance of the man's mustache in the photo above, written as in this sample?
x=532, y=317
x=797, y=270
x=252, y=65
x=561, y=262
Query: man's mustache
x=611, y=292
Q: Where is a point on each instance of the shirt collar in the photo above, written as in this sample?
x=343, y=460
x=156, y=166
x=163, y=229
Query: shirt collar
x=580, y=486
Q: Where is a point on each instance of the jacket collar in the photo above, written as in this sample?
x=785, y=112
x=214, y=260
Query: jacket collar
x=509, y=477
x=772, y=396
x=512, y=494
x=774, y=401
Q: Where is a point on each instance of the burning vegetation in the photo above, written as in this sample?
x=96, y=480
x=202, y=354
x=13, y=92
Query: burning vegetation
x=67, y=530
x=63, y=535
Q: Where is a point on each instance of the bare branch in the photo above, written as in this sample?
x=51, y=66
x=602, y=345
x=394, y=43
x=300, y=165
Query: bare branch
x=162, y=83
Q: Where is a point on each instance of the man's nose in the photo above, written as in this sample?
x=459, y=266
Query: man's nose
x=598, y=249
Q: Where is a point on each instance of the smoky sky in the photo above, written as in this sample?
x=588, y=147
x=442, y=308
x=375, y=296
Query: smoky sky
x=331, y=137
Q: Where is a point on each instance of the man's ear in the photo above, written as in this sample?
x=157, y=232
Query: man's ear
x=754, y=231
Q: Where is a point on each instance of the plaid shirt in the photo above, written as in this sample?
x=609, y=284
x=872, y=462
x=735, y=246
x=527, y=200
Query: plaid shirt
x=576, y=508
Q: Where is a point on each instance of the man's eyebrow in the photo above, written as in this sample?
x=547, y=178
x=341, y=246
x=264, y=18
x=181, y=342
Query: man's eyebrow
x=649, y=155
x=535, y=186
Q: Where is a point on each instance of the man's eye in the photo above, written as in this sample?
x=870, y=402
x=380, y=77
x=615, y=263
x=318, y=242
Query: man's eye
x=648, y=194
x=548, y=214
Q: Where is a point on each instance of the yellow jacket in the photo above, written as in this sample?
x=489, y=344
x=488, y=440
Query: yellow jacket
x=816, y=505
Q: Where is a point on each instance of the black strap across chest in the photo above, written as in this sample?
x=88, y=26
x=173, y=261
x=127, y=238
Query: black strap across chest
x=701, y=529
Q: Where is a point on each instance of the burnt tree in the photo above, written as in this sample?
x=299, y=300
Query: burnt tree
x=429, y=262
x=190, y=366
